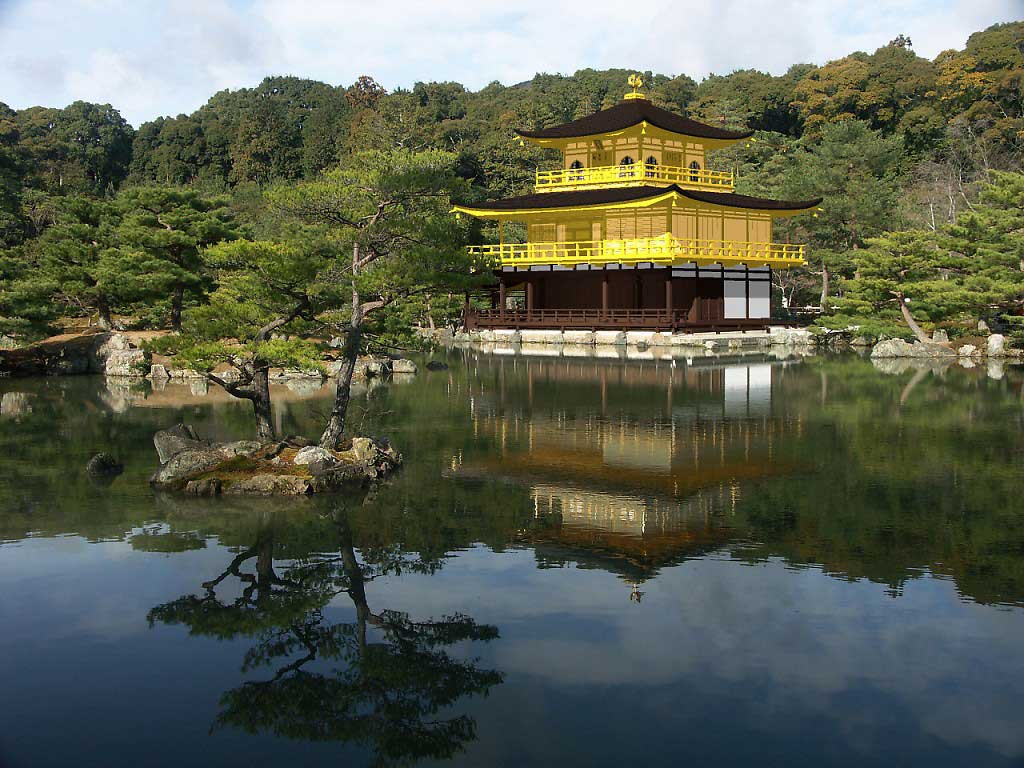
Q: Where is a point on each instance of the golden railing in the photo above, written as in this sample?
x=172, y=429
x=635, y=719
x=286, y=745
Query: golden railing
x=630, y=175
x=665, y=250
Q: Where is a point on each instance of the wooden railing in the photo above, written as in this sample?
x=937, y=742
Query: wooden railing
x=607, y=319
x=630, y=175
x=665, y=250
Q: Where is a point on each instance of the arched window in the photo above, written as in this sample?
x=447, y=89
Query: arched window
x=626, y=167
x=694, y=171
x=576, y=166
x=652, y=164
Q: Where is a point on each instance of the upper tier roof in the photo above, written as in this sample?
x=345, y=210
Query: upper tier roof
x=632, y=112
x=588, y=197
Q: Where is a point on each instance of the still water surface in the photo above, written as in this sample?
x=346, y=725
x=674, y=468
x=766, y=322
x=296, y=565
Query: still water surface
x=582, y=563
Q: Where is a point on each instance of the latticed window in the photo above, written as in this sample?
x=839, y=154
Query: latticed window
x=576, y=166
x=626, y=169
x=694, y=171
x=652, y=164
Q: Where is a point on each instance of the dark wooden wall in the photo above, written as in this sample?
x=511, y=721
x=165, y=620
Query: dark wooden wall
x=702, y=298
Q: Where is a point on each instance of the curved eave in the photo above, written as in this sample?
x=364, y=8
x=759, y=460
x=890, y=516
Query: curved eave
x=774, y=208
x=643, y=128
x=515, y=213
x=629, y=114
x=722, y=200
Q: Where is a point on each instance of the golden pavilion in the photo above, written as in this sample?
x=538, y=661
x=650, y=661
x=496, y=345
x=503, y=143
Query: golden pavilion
x=634, y=231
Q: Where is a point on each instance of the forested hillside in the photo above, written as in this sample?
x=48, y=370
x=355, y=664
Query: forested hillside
x=893, y=142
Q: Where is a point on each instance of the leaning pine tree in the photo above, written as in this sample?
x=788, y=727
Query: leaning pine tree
x=391, y=210
x=268, y=297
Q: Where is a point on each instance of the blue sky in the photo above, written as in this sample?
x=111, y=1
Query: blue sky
x=155, y=58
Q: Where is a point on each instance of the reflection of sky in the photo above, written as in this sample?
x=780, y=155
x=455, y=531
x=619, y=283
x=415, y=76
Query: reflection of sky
x=778, y=643
x=717, y=653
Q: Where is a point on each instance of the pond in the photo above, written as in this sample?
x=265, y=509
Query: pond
x=583, y=562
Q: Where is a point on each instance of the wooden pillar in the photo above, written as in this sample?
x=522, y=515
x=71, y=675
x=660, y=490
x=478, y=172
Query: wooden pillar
x=501, y=293
x=668, y=300
x=604, y=291
x=529, y=295
x=637, y=291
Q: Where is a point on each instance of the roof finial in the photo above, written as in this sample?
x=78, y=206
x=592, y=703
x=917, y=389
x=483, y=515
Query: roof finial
x=636, y=82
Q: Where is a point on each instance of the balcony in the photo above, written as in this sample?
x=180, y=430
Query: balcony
x=603, y=177
x=663, y=251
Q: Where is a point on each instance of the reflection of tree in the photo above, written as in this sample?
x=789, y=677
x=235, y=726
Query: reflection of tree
x=379, y=681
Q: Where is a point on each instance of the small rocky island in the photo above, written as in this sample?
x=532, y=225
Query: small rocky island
x=293, y=466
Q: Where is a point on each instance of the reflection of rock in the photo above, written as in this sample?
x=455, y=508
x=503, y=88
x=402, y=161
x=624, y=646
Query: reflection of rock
x=121, y=393
x=437, y=365
x=305, y=386
x=898, y=365
x=995, y=368
x=14, y=404
x=199, y=387
x=403, y=378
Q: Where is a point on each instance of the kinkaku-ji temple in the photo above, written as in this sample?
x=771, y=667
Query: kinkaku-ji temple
x=634, y=231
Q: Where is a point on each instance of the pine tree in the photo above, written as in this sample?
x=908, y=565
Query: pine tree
x=171, y=227
x=391, y=209
x=268, y=295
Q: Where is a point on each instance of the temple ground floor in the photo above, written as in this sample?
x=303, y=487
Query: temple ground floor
x=626, y=297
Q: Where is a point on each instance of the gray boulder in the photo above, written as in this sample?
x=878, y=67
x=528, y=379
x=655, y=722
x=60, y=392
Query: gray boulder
x=209, y=486
x=374, y=366
x=900, y=348
x=967, y=350
x=269, y=485
x=997, y=345
x=939, y=336
x=176, y=439
x=185, y=464
x=104, y=464
x=159, y=372
x=983, y=327
x=125, y=362
x=239, y=448
x=401, y=365
x=337, y=477
x=312, y=453
x=103, y=346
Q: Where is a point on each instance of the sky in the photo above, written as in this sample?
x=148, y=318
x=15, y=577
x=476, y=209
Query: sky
x=165, y=58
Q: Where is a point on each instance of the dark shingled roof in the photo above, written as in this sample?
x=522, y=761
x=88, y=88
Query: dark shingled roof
x=632, y=112
x=583, y=197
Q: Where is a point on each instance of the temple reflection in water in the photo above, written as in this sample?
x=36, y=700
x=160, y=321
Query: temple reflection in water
x=630, y=467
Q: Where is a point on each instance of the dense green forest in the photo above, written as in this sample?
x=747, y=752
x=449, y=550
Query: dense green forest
x=919, y=162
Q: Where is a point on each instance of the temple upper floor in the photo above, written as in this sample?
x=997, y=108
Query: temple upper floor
x=634, y=143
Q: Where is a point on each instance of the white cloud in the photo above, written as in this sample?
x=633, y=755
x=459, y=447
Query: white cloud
x=151, y=58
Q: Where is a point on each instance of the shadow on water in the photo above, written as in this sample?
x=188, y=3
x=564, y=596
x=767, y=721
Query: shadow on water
x=378, y=682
